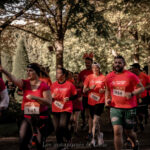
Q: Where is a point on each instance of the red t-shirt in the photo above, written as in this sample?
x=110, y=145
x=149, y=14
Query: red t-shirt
x=2, y=85
x=28, y=91
x=144, y=80
x=118, y=85
x=61, y=91
x=47, y=81
x=94, y=97
x=82, y=76
x=77, y=104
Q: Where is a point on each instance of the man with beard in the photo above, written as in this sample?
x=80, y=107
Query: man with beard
x=122, y=86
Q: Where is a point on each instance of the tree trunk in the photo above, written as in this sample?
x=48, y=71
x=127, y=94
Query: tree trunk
x=59, y=47
x=136, y=58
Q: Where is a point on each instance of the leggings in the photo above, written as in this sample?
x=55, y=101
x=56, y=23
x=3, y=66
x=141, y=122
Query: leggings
x=26, y=132
x=61, y=121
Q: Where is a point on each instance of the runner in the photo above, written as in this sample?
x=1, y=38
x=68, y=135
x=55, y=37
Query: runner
x=63, y=92
x=44, y=76
x=121, y=97
x=94, y=84
x=77, y=104
x=142, y=110
x=36, y=99
x=83, y=74
x=4, y=98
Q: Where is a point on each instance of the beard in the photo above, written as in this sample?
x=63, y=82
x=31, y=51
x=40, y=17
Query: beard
x=118, y=69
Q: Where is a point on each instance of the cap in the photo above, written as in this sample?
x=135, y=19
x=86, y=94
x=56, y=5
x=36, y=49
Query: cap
x=97, y=64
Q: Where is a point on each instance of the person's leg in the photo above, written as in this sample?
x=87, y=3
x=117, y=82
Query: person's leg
x=117, y=116
x=64, y=121
x=129, y=125
x=118, y=136
x=25, y=134
x=56, y=123
x=76, y=120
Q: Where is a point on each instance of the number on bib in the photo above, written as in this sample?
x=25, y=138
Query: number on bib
x=117, y=92
x=59, y=104
x=32, y=108
x=95, y=97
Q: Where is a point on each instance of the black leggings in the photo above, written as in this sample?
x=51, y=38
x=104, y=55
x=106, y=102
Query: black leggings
x=26, y=132
x=61, y=121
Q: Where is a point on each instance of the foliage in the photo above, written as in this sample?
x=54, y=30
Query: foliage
x=20, y=60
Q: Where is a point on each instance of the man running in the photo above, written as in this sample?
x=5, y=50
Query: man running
x=142, y=110
x=82, y=76
x=120, y=95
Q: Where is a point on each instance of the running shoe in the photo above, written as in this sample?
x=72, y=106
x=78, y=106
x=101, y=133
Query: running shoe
x=100, y=140
x=92, y=143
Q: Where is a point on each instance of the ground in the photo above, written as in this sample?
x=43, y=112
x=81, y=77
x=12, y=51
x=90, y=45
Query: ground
x=79, y=142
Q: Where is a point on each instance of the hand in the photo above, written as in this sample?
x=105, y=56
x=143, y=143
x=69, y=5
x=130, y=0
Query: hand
x=53, y=95
x=92, y=87
x=140, y=100
x=80, y=98
x=30, y=97
x=66, y=99
x=108, y=102
x=128, y=95
x=101, y=91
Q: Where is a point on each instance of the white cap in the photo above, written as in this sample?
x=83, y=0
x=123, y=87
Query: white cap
x=97, y=64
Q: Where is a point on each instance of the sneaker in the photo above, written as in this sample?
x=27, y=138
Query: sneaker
x=92, y=143
x=100, y=140
x=136, y=147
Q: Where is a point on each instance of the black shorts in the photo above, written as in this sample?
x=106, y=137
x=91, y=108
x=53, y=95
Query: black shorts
x=143, y=107
x=85, y=102
x=96, y=109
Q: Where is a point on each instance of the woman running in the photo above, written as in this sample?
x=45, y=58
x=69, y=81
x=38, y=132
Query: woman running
x=94, y=84
x=63, y=92
x=77, y=104
x=36, y=100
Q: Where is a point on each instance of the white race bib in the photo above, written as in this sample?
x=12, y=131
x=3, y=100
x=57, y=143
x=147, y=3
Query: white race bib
x=117, y=92
x=95, y=97
x=32, y=108
x=59, y=104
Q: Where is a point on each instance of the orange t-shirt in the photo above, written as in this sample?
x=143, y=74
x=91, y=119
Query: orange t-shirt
x=61, y=91
x=47, y=81
x=119, y=84
x=82, y=76
x=94, y=97
x=28, y=91
x=144, y=80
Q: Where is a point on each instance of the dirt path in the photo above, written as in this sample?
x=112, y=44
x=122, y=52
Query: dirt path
x=80, y=143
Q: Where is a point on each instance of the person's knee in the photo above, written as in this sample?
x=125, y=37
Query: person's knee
x=118, y=131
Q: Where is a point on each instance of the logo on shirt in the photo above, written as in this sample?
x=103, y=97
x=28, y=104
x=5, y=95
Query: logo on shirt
x=118, y=82
x=61, y=89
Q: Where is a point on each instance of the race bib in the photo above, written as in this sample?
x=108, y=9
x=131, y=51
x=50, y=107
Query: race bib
x=95, y=96
x=32, y=108
x=59, y=104
x=117, y=92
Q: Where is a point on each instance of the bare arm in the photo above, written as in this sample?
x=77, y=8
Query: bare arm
x=17, y=82
x=139, y=90
x=107, y=96
x=46, y=100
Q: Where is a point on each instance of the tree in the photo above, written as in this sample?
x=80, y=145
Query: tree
x=20, y=60
x=60, y=16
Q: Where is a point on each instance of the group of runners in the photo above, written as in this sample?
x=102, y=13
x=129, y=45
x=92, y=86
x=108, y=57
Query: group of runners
x=125, y=92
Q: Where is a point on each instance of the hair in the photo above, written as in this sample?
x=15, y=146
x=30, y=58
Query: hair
x=43, y=72
x=35, y=67
x=64, y=71
x=120, y=57
x=88, y=58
